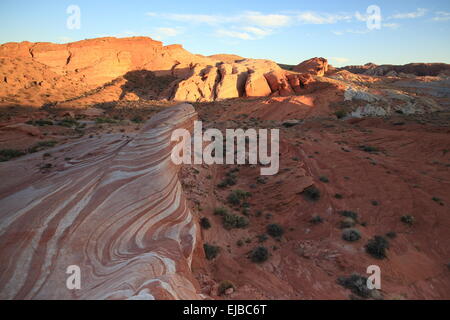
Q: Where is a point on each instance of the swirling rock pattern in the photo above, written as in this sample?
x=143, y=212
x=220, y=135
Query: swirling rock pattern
x=116, y=210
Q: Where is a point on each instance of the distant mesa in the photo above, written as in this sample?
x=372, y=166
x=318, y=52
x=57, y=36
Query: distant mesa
x=99, y=70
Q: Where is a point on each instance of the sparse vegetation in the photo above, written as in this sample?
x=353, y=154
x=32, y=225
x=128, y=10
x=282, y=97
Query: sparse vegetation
x=259, y=254
x=42, y=145
x=68, y=122
x=275, y=230
x=224, y=286
x=316, y=220
x=349, y=214
x=391, y=235
x=377, y=246
x=221, y=211
x=347, y=223
x=40, y=123
x=236, y=197
x=8, y=154
x=211, y=251
x=340, y=114
x=368, y=149
x=338, y=196
x=409, y=220
x=204, y=223
x=105, y=120
x=351, y=235
x=357, y=284
x=324, y=179
x=233, y=221
x=311, y=193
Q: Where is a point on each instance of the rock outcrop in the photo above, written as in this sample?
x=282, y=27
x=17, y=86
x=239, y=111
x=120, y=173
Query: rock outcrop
x=416, y=69
x=314, y=66
x=116, y=210
x=109, y=69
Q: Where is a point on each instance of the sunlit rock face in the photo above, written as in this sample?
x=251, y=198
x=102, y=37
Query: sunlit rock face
x=115, y=209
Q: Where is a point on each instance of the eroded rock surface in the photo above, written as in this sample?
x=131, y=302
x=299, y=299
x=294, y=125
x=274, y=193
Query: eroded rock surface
x=115, y=209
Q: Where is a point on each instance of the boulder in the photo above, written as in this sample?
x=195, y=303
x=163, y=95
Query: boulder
x=314, y=66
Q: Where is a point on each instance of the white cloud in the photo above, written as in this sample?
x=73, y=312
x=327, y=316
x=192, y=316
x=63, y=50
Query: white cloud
x=249, y=18
x=321, y=18
x=161, y=33
x=268, y=20
x=234, y=34
x=420, y=12
x=391, y=25
x=441, y=16
x=339, y=60
x=258, y=31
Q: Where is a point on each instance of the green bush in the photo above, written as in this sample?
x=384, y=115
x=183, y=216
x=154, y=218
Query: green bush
x=316, y=220
x=311, y=193
x=259, y=254
x=347, y=223
x=275, y=230
x=356, y=284
x=391, y=235
x=8, y=154
x=349, y=214
x=340, y=114
x=211, y=251
x=224, y=286
x=233, y=221
x=237, y=196
x=68, y=122
x=204, y=223
x=409, y=220
x=377, y=246
x=351, y=235
x=40, y=123
x=221, y=211
x=368, y=149
x=324, y=179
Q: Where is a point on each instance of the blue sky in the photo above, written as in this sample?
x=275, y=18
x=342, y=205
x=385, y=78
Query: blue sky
x=284, y=31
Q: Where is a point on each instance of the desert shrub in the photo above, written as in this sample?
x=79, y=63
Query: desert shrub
x=347, y=223
x=391, y=235
x=233, y=221
x=262, y=238
x=237, y=196
x=40, y=123
x=377, y=246
x=221, y=211
x=340, y=114
x=105, y=120
x=68, y=122
x=409, y=220
x=211, y=251
x=349, y=214
x=311, y=193
x=324, y=179
x=224, y=286
x=204, y=223
x=240, y=243
x=357, y=284
x=338, y=196
x=316, y=220
x=42, y=145
x=368, y=149
x=351, y=235
x=259, y=254
x=275, y=230
x=137, y=119
x=8, y=154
